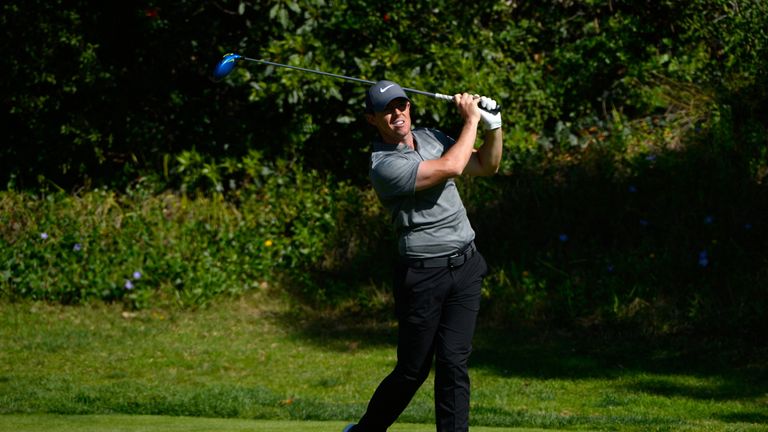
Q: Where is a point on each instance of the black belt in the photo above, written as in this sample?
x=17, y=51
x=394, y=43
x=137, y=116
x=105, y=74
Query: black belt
x=451, y=261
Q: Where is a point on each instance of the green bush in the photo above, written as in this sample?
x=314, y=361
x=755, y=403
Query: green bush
x=627, y=124
x=668, y=238
x=145, y=248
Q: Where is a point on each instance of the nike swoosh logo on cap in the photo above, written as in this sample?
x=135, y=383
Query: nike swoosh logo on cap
x=383, y=89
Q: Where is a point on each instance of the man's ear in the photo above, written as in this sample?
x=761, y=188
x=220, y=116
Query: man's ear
x=371, y=119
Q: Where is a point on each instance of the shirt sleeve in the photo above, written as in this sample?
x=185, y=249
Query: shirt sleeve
x=445, y=141
x=394, y=175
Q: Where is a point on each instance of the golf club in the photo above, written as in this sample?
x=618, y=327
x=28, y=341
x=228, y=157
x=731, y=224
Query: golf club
x=229, y=61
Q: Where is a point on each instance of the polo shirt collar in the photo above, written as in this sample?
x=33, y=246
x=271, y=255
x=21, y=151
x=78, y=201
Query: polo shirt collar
x=379, y=145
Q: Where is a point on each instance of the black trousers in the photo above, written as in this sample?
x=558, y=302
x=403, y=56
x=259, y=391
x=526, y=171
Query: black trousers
x=437, y=310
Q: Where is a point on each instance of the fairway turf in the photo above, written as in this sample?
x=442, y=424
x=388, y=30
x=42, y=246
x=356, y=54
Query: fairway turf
x=238, y=360
x=126, y=423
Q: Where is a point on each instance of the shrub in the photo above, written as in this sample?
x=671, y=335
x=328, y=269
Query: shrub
x=145, y=248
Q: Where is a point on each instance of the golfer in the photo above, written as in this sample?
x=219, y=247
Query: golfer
x=439, y=275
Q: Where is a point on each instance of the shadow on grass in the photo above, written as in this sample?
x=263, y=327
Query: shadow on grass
x=717, y=370
x=745, y=417
x=341, y=333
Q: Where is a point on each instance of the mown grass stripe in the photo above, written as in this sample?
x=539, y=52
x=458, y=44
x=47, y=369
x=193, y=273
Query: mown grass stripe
x=126, y=423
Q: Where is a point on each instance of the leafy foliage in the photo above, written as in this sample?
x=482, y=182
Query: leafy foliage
x=100, y=93
x=114, y=103
x=143, y=249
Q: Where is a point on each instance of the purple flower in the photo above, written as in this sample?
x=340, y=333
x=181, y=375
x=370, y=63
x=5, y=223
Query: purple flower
x=747, y=226
x=708, y=220
x=703, y=259
x=77, y=247
x=650, y=158
x=136, y=275
x=644, y=223
x=632, y=189
x=563, y=237
x=44, y=236
x=128, y=285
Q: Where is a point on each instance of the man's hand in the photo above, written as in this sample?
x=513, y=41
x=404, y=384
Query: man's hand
x=485, y=161
x=468, y=107
x=489, y=113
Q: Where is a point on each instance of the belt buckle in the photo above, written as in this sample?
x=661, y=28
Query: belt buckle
x=453, y=261
x=451, y=265
x=465, y=255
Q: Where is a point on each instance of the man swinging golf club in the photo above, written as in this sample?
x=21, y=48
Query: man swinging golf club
x=438, y=278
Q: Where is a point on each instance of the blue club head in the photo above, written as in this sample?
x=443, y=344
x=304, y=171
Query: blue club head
x=225, y=66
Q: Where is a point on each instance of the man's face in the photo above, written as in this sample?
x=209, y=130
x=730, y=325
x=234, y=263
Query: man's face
x=394, y=123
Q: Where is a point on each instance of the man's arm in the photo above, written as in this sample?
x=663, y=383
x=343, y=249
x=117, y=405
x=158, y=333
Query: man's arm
x=485, y=161
x=455, y=160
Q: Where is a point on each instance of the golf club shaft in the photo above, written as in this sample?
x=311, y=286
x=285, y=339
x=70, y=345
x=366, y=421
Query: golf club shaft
x=409, y=90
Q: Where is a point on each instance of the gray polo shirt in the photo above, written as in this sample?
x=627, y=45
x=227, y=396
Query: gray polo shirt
x=431, y=222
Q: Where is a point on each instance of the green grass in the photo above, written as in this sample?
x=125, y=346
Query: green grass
x=247, y=359
x=127, y=423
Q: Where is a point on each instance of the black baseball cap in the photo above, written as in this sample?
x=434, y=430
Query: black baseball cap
x=381, y=94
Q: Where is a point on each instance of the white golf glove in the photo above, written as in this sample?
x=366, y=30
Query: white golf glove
x=490, y=112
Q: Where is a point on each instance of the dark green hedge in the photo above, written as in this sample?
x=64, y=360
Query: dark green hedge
x=632, y=187
x=99, y=93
